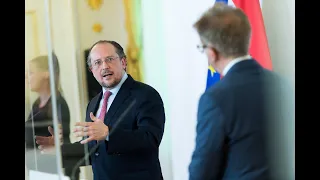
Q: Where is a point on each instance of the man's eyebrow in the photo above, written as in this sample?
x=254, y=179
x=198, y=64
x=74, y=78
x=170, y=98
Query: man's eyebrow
x=97, y=59
x=111, y=56
x=103, y=58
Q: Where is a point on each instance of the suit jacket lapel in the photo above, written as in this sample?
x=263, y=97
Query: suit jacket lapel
x=94, y=108
x=121, y=96
x=95, y=105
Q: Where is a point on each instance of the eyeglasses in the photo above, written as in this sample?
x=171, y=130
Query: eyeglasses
x=201, y=48
x=98, y=63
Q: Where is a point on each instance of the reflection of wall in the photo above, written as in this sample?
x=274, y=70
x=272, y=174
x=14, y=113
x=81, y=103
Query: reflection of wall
x=31, y=34
x=31, y=49
x=36, y=9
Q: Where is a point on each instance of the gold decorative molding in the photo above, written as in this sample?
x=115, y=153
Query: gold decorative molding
x=134, y=46
x=97, y=27
x=95, y=4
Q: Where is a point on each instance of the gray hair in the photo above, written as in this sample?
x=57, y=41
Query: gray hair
x=226, y=29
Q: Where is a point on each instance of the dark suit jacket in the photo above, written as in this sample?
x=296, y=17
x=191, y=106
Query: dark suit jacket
x=133, y=147
x=232, y=140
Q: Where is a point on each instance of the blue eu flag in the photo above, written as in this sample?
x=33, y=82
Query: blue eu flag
x=213, y=77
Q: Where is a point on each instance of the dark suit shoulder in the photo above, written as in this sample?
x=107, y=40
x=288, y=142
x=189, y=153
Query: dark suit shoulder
x=143, y=87
x=216, y=92
x=145, y=90
x=245, y=75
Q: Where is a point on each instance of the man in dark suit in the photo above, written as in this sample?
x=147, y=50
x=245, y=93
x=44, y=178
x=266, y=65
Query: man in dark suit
x=232, y=140
x=124, y=122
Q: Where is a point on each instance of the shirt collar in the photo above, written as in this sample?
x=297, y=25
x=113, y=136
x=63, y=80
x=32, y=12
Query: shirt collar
x=233, y=62
x=116, y=89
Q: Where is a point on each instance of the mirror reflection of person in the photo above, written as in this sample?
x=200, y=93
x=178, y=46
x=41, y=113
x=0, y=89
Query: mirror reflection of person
x=41, y=117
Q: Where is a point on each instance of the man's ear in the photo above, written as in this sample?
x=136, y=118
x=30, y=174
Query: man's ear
x=212, y=53
x=124, y=63
x=90, y=69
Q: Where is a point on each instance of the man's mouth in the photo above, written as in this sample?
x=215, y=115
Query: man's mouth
x=107, y=75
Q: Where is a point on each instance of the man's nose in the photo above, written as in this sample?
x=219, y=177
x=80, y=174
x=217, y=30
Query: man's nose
x=105, y=65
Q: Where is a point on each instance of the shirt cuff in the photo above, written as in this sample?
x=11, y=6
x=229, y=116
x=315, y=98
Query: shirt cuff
x=107, y=138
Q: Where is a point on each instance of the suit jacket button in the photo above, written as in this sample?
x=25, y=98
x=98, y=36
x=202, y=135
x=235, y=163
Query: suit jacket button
x=96, y=154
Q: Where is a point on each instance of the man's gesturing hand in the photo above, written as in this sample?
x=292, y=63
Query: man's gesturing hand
x=96, y=130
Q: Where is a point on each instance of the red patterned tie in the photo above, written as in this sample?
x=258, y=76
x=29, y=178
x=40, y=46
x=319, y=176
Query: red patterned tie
x=104, y=105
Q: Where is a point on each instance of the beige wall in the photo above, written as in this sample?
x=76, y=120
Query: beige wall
x=279, y=22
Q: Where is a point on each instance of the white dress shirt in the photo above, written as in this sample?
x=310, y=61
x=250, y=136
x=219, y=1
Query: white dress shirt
x=114, y=91
x=233, y=62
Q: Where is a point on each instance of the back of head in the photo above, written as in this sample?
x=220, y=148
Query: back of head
x=225, y=28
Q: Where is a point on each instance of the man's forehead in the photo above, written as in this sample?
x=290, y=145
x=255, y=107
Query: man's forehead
x=103, y=50
x=104, y=47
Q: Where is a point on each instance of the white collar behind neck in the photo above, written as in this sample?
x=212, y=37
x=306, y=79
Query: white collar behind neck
x=233, y=62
